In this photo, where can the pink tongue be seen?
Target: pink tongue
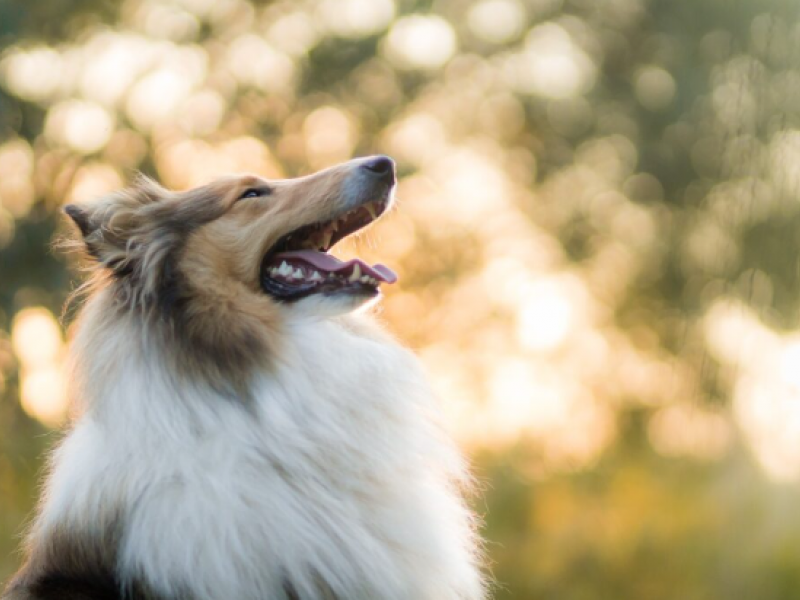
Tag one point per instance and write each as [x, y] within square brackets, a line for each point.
[331, 264]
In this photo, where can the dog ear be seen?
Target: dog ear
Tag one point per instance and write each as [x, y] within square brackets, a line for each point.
[127, 232]
[80, 217]
[103, 243]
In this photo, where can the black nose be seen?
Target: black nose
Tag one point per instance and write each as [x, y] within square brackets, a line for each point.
[381, 166]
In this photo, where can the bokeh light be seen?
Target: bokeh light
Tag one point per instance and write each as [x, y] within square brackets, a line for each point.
[420, 42]
[496, 21]
[37, 342]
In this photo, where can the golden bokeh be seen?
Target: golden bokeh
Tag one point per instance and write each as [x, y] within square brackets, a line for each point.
[37, 341]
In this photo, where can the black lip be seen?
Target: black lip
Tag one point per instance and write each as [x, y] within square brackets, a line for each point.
[291, 293]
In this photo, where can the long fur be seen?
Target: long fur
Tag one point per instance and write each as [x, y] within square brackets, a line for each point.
[307, 465]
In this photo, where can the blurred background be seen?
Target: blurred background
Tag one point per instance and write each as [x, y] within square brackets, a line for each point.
[597, 236]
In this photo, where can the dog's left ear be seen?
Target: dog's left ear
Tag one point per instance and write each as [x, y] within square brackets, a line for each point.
[106, 245]
[80, 217]
[129, 232]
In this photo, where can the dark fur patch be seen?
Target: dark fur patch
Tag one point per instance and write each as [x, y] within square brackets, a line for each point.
[222, 361]
[73, 565]
[79, 216]
[138, 237]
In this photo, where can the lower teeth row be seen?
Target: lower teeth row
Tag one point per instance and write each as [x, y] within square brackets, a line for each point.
[286, 272]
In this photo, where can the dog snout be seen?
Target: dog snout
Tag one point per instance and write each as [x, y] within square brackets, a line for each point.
[381, 168]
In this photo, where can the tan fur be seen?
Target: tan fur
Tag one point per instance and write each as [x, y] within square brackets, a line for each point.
[197, 255]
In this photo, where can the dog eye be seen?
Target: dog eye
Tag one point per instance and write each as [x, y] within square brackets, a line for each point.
[254, 193]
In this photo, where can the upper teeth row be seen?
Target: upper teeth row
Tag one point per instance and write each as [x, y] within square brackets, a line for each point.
[323, 238]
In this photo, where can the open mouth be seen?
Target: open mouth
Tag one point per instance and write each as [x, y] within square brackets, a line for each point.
[299, 265]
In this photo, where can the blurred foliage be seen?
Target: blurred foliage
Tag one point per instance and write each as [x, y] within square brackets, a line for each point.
[597, 236]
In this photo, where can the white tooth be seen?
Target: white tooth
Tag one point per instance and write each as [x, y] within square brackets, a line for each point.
[298, 274]
[326, 238]
[371, 210]
[373, 281]
[284, 269]
[356, 275]
[365, 279]
[315, 276]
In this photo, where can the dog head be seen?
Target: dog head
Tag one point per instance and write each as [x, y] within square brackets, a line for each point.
[242, 240]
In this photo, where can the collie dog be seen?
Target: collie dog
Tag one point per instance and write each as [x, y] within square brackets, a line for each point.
[243, 432]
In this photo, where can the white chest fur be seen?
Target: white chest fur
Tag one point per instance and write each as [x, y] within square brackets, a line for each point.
[334, 477]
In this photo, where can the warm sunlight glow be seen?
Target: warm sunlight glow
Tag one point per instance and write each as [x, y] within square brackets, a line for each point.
[681, 430]
[545, 317]
[464, 186]
[34, 74]
[189, 162]
[420, 42]
[356, 18]
[37, 341]
[202, 112]
[330, 136]
[552, 64]
[43, 395]
[36, 337]
[766, 392]
[16, 184]
[790, 364]
[496, 21]
[171, 73]
[418, 139]
[255, 63]
[527, 399]
[521, 400]
[83, 126]
[294, 33]
[92, 181]
[113, 62]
